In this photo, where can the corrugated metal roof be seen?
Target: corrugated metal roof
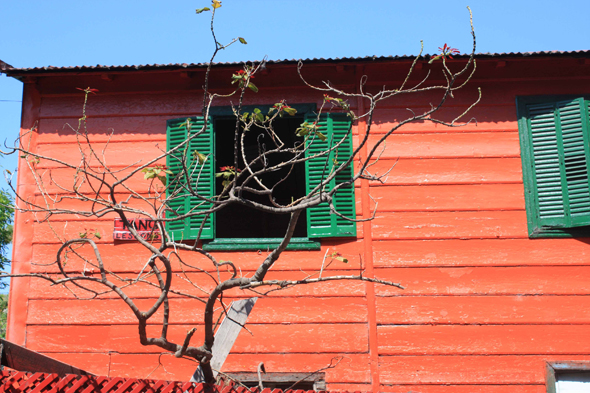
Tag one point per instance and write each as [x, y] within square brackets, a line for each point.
[172, 66]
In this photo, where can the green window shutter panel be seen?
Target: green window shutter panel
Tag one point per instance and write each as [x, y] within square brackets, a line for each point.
[201, 177]
[320, 223]
[559, 144]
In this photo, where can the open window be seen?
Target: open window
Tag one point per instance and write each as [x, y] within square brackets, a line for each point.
[555, 149]
[238, 227]
[291, 183]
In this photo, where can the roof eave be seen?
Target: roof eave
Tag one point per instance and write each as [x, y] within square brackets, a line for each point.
[20, 73]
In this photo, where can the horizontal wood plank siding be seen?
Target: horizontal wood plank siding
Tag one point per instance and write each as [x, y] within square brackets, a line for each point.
[468, 370]
[287, 338]
[484, 308]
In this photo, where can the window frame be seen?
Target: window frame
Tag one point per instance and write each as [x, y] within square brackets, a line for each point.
[535, 230]
[554, 368]
[271, 379]
[241, 244]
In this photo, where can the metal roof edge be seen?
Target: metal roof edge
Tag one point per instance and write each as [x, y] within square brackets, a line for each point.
[15, 72]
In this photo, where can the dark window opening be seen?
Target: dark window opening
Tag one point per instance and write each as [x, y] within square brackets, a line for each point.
[239, 221]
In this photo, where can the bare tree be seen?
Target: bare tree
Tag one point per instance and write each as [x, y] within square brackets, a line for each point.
[96, 190]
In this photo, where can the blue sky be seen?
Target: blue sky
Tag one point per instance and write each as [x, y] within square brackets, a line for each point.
[37, 33]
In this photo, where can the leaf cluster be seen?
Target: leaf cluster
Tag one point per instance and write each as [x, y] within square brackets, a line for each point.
[282, 108]
[6, 219]
[227, 173]
[242, 77]
[307, 128]
[157, 172]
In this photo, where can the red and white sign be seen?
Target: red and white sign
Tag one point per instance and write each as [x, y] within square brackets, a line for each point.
[146, 228]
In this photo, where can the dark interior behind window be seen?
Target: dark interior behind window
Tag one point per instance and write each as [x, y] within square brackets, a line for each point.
[239, 221]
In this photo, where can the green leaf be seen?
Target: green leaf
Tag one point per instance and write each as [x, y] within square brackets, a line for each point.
[342, 259]
[321, 136]
[199, 10]
[219, 174]
[199, 157]
[216, 4]
[97, 235]
[252, 87]
[162, 179]
[290, 111]
[302, 131]
[259, 115]
[242, 40]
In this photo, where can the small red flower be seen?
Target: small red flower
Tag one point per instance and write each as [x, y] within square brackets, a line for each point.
[229, 168]
[447, 51]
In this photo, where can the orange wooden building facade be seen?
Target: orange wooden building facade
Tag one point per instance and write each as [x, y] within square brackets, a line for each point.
[485, 306]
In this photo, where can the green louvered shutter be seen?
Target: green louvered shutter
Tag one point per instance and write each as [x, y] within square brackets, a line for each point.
[560, 150]
[320, 223]
[202, 178]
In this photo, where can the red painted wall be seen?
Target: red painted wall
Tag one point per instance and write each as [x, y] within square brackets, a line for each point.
[484, 308]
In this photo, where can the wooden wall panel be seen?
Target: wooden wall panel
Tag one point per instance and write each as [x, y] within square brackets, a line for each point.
[56, 180]
[105, 104]
[169, 103]
[545, 339]
[450, 225]
[461, 369]
[449, 145]
[411, 171]
[188, 311]
[52, 232]
[115, 154]
[483, 310]
[44, 289]
[475, 252]
[124, 256]
[102, 130]
[449, 197]
[166, 367]
[353, 367]
[95, 363]
[466, 388]
[494, 118]
[287, 338]
[486, 281]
